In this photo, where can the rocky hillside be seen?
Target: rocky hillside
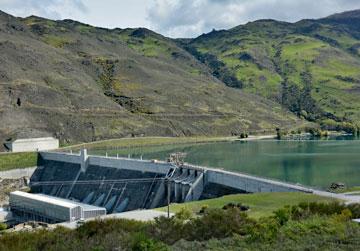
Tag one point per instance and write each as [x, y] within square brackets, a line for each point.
[81, 83]
[312, 67]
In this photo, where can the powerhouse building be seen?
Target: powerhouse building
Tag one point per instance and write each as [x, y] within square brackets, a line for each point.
[45, 208]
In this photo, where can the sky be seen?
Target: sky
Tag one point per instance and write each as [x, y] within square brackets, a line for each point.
[176, 18]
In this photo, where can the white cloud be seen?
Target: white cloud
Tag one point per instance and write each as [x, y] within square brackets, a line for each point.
[188, 18]
[54, 9]
[104, 13]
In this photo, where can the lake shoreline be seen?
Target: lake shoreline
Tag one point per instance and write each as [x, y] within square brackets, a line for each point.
[258, 137]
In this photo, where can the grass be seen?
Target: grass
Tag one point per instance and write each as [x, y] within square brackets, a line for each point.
[145, 141]
[306, 49]
[56, 41]
[85, 28]
[10, 161]
[136, 152]
[261, 204]
[252, 76]
[150, 47]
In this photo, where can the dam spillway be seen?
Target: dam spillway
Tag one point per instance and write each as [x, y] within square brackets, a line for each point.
[124, 184]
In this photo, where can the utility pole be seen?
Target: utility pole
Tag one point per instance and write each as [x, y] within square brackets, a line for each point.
[168, 197]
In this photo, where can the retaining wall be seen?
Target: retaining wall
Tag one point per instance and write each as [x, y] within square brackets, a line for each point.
[17, 173]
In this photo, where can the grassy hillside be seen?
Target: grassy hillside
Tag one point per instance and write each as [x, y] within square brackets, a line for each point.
[311, 67]
[81, 83]
[261, 204]
[144, 142]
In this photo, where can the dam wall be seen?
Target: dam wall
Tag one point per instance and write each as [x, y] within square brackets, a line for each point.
[118, 184]
[124, 184]
[251, 184]
[126, 163]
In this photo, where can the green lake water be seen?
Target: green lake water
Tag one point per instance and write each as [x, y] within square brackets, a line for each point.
[315, 163]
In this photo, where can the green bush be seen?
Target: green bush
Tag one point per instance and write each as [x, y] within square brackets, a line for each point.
[140, 242]
[218, 223]
[168, 230]
[203, 209]
[244, 135]
[282, 216]
[183, 215]
[280, 133]
[307, 226]
[3, 226]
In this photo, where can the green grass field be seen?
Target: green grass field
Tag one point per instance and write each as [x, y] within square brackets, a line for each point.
[10, 161]
[146, 141]
[261, 204]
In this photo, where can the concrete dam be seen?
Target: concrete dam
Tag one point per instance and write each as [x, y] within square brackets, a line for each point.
[124, 184]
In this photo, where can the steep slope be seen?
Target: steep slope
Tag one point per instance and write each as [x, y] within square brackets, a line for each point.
[311, 67]
[82, 83]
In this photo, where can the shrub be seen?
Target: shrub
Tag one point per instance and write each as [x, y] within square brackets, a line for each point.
[3, 226]
[183, 215]
[355, 210]
[203, 209]
[307, 226]
[218, 223]
[305, 210]
[239, 206]
[140, 242]
[266, 229]
[282, 215]
[244, 135]
[280, 133]
[345, 215]
[102, 227]
[167, 230]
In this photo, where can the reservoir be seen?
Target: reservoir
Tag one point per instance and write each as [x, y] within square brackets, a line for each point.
[315, 163]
